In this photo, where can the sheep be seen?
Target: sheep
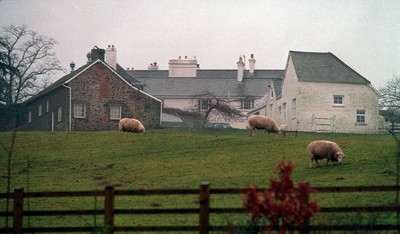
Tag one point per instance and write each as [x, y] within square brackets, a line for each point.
[324, 149]
[130, 125]
[262, 122]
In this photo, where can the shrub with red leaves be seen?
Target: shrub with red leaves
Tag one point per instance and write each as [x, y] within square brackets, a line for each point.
[282, 204]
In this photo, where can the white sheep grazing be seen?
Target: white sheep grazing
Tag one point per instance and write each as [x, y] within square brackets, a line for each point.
[130, 125]
[324, 149]
[262, 122]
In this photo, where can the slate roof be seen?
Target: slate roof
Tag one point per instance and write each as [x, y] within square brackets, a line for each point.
[324, 67]
[58, 83]
[221, 83]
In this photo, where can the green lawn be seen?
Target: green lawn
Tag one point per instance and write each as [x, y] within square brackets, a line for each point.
[182, 158]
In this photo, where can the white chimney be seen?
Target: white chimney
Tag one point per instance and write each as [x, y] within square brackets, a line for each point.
[183, 67]
[252, 63]
[240, 71]
[153, 66]
[111, 56]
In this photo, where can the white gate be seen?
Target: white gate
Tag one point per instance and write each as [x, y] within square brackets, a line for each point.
[323, 124]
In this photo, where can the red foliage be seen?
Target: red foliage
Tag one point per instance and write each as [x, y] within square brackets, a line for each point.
[282, 204]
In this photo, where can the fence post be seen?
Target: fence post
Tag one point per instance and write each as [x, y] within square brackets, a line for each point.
[18, 210]
[303, 229]
[109, 202]
[204, 207]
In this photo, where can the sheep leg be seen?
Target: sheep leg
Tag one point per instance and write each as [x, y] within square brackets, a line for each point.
[251, 131]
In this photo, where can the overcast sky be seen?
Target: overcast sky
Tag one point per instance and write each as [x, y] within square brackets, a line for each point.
[364, 34]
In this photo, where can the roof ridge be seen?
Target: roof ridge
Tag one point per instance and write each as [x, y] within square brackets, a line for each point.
[308, 52]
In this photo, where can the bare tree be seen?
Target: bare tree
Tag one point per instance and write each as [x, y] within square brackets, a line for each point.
[390, 99]
[26, 58]
[208, 102]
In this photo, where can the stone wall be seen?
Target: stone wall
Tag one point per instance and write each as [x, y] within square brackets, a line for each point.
[98, 88]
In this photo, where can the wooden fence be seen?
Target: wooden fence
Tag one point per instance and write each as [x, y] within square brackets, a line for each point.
[204, 210]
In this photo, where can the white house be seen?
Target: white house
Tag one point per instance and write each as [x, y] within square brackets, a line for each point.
[320, 93]
[182, 86]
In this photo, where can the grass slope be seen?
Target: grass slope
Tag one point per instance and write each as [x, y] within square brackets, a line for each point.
[183, 158]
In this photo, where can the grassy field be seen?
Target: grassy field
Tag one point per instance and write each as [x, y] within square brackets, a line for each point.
[182, 158]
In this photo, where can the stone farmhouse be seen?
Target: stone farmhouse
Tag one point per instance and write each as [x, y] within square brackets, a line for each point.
[316, 92]
[182, 87]
[93, 97]
[320, 93]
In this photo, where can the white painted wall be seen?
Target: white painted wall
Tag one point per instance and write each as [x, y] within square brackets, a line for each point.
[314, 104]
[317, 99]
[287, 119]
[189, 104]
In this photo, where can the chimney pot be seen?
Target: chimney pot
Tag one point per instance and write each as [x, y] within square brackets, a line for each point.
[240, 70]
[72, 65]
[252, 63]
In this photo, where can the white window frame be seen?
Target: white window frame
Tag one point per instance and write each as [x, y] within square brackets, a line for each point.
[361, 115]
[205, 104]
[294, 108]
[247, 104]
[271, 106]
[40, 110]
[336, 98]
[59, 114]
[115, 111]
[79, 110]
[284, 112]
[30, 117]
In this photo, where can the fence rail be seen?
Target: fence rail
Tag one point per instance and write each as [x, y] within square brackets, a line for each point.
[204, 210]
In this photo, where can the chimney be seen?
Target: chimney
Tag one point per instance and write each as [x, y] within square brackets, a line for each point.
[153, 66]
[252, 63]
[97, 53]
[183, 67]
[89, 57]
[72, 65]
[111, 56]
[240, 71]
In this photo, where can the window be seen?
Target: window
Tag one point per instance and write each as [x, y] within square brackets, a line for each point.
[79, 110]
[59, 114]
[39, 110]
[115, 112]
[338, 100]
[47, 106]
[29, 116]
[284, 112]
[247, 104]
[360, 117]
[294, 108]
[271, 108]
[205, 104]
